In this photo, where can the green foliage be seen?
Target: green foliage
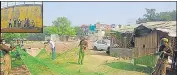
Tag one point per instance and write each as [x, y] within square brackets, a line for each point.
[2, 53]
[118, 35]
[17, 63]
[130, 67]
[51, 30]
[149, 60]
[71, 31]
[10, 36]
[79, 31]
[48, 66]
[151, 15]
[34, 64]
[63, 26]
[36, 36]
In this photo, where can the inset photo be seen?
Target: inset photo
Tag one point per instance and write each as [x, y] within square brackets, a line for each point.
[21, 17]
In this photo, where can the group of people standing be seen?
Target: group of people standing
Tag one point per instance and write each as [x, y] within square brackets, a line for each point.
[6, 52]
[19, 23]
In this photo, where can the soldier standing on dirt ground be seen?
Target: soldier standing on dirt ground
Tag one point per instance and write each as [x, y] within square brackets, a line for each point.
[52, 45]
[19, 23]
[15, 22]
[6, 57]
[83, 46]
[166, 52]
[25, 22]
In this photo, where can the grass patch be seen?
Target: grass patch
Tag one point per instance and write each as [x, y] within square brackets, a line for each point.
[129, 67]
[36, 67]
[149, 60]
[61, 63]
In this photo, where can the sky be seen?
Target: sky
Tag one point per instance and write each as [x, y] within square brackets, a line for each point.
[105, 12]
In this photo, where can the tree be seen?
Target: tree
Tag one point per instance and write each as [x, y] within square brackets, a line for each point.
[141, 20]
[51, 30]
[71, 31]
[151, 15]
[79, 31]
[63, 27]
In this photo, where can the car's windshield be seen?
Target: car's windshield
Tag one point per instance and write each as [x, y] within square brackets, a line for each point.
[107, 41]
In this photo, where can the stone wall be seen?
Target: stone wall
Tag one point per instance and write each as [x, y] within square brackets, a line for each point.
[121, 52]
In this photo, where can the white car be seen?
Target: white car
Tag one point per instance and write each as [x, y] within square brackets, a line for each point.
[102, 45]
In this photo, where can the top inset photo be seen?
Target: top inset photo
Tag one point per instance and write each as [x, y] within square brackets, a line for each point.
[21, 17]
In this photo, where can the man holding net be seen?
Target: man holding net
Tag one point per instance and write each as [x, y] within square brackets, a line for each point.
[83, 46]
[52, 45]
[6, 57]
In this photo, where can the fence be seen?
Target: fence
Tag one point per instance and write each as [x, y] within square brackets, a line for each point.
[122, 40]
[122, 53]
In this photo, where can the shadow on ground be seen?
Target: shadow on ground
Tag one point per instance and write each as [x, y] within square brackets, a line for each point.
[130, 67]
[99, 52]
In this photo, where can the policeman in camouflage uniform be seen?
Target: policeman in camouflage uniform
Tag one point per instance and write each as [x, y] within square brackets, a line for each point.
[6, 64]
[83, 46]
[167, 51]
[162, 63]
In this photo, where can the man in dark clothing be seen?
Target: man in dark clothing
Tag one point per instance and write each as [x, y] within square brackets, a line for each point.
[28, 22]
[15, 22]
[25, 24]
[175, 60]
[19, 23]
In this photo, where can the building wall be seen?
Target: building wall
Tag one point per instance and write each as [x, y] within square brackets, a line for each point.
[124, 53]
[150, 43]
[146, 44]
[100, 34]
[123, 41]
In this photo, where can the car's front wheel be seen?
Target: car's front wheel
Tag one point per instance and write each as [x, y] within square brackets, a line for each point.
[108, 51]
[94, 48]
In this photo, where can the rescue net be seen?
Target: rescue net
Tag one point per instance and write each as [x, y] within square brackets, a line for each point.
[42, 64]
[36, 67]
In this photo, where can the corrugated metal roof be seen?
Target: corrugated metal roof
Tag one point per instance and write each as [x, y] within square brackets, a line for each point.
[165, 26]
[126, 29]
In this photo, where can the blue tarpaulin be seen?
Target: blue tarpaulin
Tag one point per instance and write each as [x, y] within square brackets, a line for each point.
[92, 27]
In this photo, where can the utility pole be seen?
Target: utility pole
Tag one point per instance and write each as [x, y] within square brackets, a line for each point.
[125, 38]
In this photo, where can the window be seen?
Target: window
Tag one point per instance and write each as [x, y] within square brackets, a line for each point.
[143, 46]
[103, 42]
[99, 42]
